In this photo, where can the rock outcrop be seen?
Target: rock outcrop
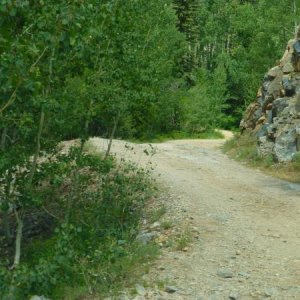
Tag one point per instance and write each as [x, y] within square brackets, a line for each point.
[275, 115]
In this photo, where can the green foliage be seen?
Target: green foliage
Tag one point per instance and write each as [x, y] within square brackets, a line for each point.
[157, 214]
[166, 225]
[93, 246]
[242, 147]
[204, 103]
[179, 135]
[85, 64]
[71, 69]
[244, 38]
[68, 70]
[187, 14]
[296, 161]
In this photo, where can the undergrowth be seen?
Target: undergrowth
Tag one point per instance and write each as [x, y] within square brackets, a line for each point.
[243, 148]
[92, 206]
[179, 135]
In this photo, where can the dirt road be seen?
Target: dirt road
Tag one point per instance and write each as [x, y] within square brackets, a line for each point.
[245, 225]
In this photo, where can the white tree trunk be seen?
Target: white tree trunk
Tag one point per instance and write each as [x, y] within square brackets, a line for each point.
[18, 242]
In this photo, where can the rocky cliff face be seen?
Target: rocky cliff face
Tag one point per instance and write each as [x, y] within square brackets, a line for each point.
[275, 115]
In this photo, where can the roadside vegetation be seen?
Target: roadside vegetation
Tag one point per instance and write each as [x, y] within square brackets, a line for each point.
[139, 70]
[243, 149]
[180, 135]
[71, 70]
[79, 229]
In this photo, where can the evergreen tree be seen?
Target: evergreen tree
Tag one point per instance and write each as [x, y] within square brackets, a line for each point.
[187, 12]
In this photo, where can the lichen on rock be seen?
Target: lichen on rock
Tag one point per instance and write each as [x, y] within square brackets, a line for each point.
[275, 115]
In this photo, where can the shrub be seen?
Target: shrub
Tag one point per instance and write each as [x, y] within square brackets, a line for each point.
[95, 208]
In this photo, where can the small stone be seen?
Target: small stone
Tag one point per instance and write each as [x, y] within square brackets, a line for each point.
[185, 249]
[233, 296]
[244, 274]
[140, 289]
[162, 239]
[237, 252]
[170, 289]
[288, 68]
[225, 273]
[147, 237]
[139, 297]
[276, 236]
[274, 72]
[155, 225]
[214, 297]
[270, 292]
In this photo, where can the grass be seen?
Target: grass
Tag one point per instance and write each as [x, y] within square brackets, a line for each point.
[179, 135]
[243, 148]
[157, 214]
[183, 240]
[167, 225]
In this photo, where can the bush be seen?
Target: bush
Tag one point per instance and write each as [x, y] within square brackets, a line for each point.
[95, 208]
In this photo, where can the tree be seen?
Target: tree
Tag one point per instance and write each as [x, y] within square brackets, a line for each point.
[187, 12]
[247, 38]
[69, 69]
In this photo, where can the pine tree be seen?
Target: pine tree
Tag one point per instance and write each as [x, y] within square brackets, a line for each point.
[187, 12]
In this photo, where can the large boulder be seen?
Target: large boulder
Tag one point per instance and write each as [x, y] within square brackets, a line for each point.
[275, 115]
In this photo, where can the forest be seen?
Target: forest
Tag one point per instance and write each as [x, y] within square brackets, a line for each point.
[117, 69]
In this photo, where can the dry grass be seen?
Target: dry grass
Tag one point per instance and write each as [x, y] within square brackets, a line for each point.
[243, 148]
